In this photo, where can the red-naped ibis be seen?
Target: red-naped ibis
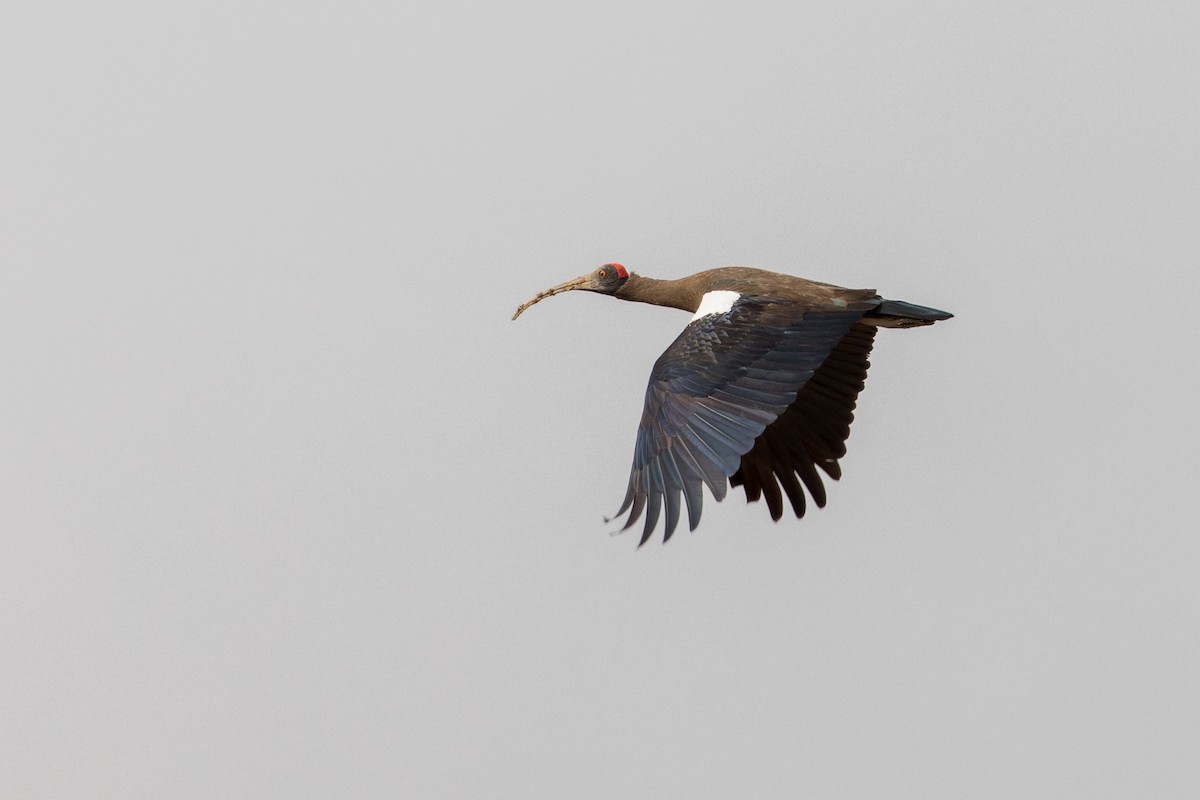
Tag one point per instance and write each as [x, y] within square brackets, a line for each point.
[758, 391]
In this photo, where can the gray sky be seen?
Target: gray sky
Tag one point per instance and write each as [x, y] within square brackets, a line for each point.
[290, 508]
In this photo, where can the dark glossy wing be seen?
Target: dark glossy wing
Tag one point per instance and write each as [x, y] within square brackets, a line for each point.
[713, 392]
[811, 433]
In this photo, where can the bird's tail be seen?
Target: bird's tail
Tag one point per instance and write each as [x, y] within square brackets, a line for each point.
[899, 314]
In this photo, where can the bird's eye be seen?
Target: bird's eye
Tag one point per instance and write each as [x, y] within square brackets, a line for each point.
[603, 273]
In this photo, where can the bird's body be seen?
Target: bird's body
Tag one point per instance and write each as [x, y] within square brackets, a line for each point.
[687, 293]
[758, 391]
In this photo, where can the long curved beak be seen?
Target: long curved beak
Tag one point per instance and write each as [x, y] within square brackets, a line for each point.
[582, 282]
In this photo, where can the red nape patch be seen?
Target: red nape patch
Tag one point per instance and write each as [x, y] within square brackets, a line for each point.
[621, 273]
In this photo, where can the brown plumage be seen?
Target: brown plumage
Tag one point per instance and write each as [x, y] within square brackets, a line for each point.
[758, 391]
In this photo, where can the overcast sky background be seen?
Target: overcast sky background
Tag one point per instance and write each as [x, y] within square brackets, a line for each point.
[290, 508]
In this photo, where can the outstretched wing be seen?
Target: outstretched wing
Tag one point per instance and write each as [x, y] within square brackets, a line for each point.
[713, 392]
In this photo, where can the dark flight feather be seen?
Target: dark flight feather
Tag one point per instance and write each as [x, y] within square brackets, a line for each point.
[812, 432]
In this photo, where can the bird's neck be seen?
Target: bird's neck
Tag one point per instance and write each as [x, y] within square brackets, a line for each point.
[673, 294]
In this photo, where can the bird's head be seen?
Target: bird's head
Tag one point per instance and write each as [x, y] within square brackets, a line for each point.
[606, 280]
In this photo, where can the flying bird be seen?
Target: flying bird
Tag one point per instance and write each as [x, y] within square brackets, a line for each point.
[758, 391]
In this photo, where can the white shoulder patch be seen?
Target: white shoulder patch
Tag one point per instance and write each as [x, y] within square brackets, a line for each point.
[717, 302]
